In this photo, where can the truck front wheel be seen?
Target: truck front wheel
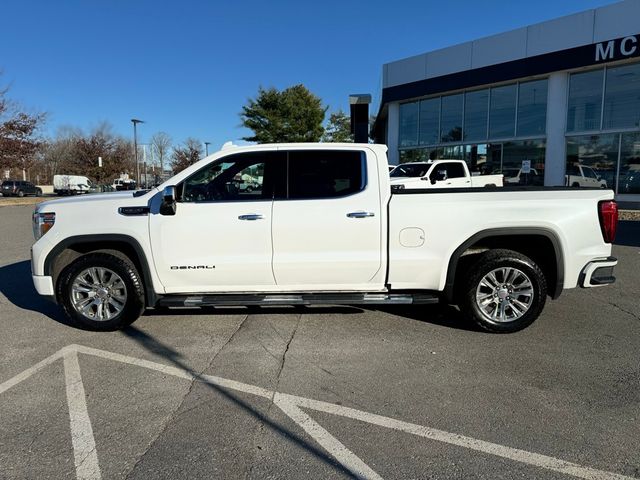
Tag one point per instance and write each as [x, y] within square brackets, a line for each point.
[504, 291]
[100, 291]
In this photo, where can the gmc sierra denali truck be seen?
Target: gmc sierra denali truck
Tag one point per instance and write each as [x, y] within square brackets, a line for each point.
[320, 225]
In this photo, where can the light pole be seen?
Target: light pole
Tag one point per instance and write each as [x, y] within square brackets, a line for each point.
[206, 148]
[135, 122]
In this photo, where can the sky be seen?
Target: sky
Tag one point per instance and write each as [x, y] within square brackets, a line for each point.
[188, 67]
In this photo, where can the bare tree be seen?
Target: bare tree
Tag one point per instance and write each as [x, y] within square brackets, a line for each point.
[188, 154]
[160, 145]
[18, 135]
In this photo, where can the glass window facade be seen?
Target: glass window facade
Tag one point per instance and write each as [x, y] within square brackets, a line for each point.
[467, 116]
[606, 161]
[532, 108]
[476, 111]
[494, 129]
[629, 179]
[601, 101]
[451, 118]
[592, 161]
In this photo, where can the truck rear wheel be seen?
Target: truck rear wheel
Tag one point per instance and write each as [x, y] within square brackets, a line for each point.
[504, 291]
[100, 291]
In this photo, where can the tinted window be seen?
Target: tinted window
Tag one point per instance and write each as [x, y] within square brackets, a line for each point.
[409, 124]
[325, 174]
[502, 117]
[451, 120]
[476, 106]
[246, 176]
[585, 101]
[429, 121]
[454, 170]
[622, 98]
[532, 108]
[410, 170]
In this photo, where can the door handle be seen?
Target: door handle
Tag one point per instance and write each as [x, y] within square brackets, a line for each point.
[251, 216]
[360, 214]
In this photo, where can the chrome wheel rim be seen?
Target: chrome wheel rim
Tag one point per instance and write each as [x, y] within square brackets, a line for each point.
[504, 295]
[98, 294]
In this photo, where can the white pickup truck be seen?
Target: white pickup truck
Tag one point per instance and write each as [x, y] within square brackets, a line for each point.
[440, 174]
[321, 226]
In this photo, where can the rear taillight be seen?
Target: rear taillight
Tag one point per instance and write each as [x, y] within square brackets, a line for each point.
[608, 213]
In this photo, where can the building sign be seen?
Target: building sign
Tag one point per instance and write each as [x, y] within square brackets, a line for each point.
[617, 49]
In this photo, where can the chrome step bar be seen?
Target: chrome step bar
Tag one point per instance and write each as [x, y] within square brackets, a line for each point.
[247, 299]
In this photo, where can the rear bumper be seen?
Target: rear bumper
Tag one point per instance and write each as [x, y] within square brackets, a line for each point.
[598, 273]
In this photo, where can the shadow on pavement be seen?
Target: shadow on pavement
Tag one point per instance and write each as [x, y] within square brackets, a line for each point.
[440, 314]
[628, 233]
[154, 346]
[17, 286]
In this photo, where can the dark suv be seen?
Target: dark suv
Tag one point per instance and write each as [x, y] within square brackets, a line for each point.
[19, 188]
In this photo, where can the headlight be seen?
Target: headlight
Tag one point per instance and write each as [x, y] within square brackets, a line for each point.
[42, 223]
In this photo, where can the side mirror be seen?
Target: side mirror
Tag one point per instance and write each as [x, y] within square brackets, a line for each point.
[168, 205]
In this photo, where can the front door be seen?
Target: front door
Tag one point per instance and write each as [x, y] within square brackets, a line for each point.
[327, 225]
[220, 237]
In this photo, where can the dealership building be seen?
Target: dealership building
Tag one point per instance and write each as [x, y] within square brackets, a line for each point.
[562, 96]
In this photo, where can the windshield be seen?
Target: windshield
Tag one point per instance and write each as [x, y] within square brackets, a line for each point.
[410, 171]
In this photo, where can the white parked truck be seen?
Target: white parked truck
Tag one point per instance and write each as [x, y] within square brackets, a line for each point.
[440, 174]
[321, 226]
[582, 176]
[71, 184]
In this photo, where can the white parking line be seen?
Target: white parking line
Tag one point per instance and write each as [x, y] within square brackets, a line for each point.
[331, 444]
[291, 405]
[29, 371]
[84, 445]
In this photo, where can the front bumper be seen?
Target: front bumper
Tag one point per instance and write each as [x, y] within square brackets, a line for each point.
[43, 284]
[598, 273]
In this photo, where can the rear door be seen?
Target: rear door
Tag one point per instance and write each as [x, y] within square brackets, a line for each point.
[327, 222]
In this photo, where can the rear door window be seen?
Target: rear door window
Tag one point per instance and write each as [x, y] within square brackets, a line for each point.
[454, 169]
[325, 173]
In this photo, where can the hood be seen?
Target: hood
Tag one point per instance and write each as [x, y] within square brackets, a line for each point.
[88, 199]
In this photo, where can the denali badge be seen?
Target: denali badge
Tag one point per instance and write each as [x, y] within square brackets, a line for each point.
[192, 267]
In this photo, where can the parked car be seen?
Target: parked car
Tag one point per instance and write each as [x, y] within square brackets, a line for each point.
[19, 188]
[326, 228]
[579, 175]
[440, 174]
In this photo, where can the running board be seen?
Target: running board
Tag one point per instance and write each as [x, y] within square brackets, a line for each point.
[243, 299]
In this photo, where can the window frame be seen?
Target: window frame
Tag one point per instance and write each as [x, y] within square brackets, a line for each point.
[273, 166]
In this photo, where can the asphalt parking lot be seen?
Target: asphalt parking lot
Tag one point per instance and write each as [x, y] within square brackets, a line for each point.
[411, 392]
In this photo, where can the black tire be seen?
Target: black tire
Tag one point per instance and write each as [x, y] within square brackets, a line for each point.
[135, 301]
[489, 262]
[20, 193]
[575, 185]
[38, 192]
